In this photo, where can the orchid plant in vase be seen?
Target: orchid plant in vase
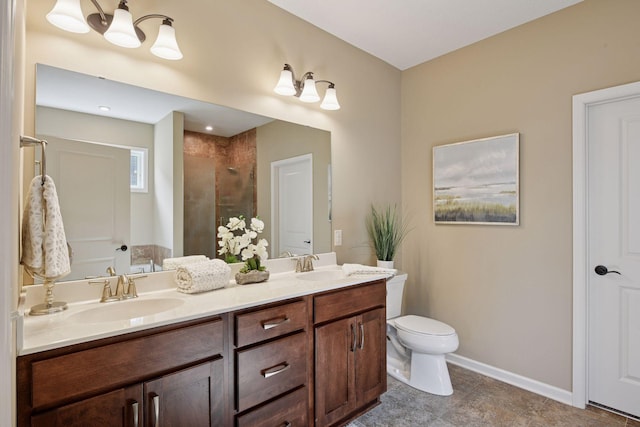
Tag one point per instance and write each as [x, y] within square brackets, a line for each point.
[237, 240]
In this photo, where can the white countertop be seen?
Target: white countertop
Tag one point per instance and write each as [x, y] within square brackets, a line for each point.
[39, 333]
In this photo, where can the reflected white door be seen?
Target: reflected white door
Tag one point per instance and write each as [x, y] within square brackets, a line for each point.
[93, 187]
[614, 244]
[292, 207]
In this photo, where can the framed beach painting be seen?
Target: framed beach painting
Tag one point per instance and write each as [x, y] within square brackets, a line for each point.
[477, 182]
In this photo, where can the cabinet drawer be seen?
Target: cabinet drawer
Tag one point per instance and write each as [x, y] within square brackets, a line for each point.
[349, 301]
[289, 410]
[271, 369]
[113, 365]
[270, 322]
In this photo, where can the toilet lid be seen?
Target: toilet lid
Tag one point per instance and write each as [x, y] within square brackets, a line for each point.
[423, 325]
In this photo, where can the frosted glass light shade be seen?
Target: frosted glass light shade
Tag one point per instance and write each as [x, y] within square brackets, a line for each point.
[285, 84]
[166, 45]
[121, 31]
[67, 15]
[330, 101]
[309, 92]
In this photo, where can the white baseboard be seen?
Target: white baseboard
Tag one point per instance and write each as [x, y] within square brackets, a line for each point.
[546, 390]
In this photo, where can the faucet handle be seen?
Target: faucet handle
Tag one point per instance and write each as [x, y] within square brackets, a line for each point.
[106, 289]
[132, 291]
[308, 262]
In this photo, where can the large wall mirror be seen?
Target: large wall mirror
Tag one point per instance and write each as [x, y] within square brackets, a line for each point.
[159, 173]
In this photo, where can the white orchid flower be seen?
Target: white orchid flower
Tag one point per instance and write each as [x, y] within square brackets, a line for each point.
[257, 225]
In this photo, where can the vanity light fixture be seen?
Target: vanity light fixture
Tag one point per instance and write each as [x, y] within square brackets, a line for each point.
[119, 28]
[305, 88]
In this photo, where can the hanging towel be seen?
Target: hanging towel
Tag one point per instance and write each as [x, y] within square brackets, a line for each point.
[174, 263]
[203, 276]
[351, 269]
[45, 253]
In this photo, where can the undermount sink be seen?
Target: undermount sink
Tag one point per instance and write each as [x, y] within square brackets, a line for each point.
[322, 275]
[128, 309]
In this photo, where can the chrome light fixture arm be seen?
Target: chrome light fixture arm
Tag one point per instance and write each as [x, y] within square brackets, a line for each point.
[296, 88]
[103, 16]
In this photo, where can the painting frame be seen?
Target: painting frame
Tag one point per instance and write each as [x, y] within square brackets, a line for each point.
[477, 181]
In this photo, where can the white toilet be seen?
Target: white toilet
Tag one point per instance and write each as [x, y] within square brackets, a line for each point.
[416, 345]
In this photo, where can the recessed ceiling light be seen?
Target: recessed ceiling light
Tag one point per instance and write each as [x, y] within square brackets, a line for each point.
[104, 108]
[209, 128]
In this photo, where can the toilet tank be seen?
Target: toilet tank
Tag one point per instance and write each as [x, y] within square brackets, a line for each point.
[395, 288]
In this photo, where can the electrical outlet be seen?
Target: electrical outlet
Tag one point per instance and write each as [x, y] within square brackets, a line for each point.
[337, 238]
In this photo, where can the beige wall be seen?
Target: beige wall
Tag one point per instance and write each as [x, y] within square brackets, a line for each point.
[508, 290]
[234, 52]
[280, 140]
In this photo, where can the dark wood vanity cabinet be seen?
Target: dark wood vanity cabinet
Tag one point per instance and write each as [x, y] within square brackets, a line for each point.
[350, 352]
[174, 375]
[317, 360]
[272, 357]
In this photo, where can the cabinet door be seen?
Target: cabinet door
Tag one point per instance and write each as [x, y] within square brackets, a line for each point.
[371, 356]
[122, 407]
[335, 391]
[191, 397]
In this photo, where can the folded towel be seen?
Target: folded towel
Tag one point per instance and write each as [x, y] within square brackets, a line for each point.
[45, 253]
[203, 276]
[351, 269]
[174, 263]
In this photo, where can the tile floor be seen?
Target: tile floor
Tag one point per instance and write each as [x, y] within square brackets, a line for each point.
[479, 401]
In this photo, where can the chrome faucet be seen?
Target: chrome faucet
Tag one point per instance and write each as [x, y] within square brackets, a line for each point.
[305, 263]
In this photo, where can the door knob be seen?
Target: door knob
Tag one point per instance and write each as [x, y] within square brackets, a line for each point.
[601, 270]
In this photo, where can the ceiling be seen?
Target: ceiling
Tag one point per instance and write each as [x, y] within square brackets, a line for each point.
[405, 33]
[68, 90]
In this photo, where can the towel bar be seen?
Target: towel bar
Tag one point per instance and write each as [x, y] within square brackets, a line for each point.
[29, 141]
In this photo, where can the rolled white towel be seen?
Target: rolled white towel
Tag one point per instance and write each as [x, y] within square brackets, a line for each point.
[202, 276]
[351, 269]
[174, 263]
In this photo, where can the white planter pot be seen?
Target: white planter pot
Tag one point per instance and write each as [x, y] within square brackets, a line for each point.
[385, 264]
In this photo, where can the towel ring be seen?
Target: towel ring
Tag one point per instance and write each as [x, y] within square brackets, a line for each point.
[29, 141]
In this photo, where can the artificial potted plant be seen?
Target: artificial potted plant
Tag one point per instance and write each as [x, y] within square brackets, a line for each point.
[238, 240]
[386, 230]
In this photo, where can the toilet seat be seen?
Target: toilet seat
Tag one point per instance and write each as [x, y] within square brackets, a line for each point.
[423, 325]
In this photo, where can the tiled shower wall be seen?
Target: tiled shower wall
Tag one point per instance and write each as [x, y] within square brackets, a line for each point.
[219, 182]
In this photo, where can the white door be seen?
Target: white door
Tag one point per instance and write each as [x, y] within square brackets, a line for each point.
[614, 254]
[93, 187]
[292, 189]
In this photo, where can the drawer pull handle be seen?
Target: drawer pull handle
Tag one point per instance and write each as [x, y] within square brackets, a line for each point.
[272, 323]
[155, 406]
[361, 336]
[274, 370]
[134, 413]
[286, 424]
